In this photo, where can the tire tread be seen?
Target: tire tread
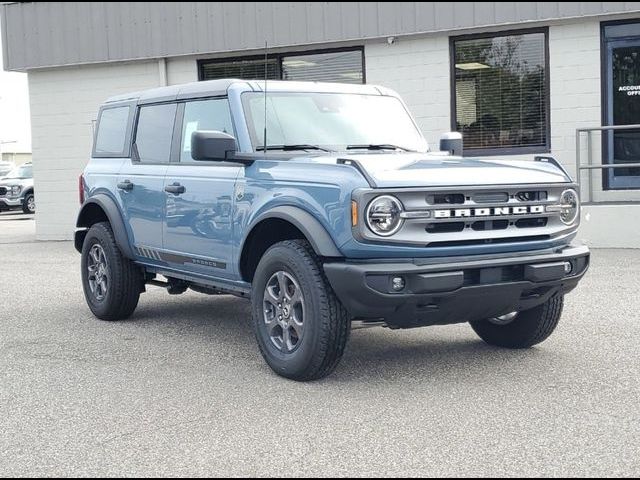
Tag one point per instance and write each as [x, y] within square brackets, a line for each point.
[126, 277]
[334, 317]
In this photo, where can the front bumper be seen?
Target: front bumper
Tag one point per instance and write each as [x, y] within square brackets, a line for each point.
[455, 290]
[10, 202]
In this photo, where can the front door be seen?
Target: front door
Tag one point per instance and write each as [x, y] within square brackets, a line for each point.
[198, 231]
[622, 104]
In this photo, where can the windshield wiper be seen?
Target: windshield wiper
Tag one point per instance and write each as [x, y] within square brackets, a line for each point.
[286, 148]
[379, 146]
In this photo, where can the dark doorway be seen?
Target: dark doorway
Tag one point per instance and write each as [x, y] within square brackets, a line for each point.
[621, 82]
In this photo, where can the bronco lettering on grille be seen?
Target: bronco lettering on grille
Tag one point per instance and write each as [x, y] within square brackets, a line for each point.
[488, 212]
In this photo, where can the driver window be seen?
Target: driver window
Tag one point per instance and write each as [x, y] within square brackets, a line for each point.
[204, 115]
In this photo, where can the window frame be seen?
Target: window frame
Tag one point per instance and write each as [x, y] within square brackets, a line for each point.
[280, 57]
[489, 152]
[176, 149]
[128, 137]
[135, 157]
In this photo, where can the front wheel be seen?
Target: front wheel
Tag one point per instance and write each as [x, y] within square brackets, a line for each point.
[301, 327]
[524, 330]
[111, 282]
[29, 204]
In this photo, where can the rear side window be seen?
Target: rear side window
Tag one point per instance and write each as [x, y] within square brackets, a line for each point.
[204, 115]
[112, 132]
[155, 132]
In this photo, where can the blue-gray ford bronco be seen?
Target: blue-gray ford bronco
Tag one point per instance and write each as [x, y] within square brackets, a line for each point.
[324, 205]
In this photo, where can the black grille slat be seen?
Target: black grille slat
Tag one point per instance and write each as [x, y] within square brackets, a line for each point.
[482, 226]
[537, 222]
[492, 197]
[448, 227]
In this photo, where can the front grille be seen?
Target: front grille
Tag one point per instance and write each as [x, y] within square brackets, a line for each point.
[480, 215]
[3, 191]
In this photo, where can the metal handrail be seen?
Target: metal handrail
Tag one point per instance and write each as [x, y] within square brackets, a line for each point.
[590, 165]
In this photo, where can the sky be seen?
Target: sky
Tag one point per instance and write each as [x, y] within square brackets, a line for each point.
[15, 123]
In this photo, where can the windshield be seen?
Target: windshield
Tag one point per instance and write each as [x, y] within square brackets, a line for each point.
[330, 121]
[21, 172]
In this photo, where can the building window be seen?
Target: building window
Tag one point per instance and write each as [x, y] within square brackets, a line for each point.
[501, 99]
[343, 66]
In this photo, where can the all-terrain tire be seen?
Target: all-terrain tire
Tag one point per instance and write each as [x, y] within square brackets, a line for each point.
[529, 328]
[124, 279]
[327, 324]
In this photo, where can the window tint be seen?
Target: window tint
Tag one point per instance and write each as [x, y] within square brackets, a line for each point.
[501, 92]
[112, 131]
[154, 133]
[204, 115]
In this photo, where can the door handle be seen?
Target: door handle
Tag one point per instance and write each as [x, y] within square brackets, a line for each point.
[125, 185]
[176, 189]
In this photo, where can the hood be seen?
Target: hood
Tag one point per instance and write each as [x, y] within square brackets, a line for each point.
[15, 181]
[428, 170]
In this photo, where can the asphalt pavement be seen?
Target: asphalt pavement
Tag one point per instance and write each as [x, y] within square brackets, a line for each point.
[181, 389]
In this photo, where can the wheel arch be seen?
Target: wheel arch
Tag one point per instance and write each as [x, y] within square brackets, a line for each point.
[101, 208]
[279, 224]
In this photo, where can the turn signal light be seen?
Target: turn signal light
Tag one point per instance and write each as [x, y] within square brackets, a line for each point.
[354, 213]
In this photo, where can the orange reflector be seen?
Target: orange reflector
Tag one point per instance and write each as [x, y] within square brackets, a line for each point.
[354, 213]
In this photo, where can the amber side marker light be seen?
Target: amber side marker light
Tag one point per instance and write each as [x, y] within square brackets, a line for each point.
[354, 213]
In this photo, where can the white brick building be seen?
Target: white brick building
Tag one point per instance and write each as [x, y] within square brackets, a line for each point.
[565, 65]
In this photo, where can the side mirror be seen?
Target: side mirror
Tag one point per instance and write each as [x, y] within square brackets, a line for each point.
[212, 145]
[452, 142]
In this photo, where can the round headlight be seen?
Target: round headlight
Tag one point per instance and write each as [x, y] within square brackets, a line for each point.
[569, 207]
[383, 215]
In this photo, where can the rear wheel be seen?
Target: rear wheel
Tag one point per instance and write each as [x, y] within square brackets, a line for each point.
[301, 327]
[29, 203]
[524, 330]
[111, 282]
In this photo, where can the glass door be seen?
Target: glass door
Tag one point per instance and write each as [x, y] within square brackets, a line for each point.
[622, 105]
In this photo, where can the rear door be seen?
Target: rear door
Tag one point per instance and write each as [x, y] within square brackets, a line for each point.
[141, 179]
[198, 231]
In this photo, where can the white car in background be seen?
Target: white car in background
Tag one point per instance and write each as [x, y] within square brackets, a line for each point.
[16, 189]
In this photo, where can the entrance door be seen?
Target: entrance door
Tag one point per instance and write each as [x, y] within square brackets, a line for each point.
[622, 104]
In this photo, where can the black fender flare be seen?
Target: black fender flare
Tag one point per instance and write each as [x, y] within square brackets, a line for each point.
[311, 228]
[112, 212]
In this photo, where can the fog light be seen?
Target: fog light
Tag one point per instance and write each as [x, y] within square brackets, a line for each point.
[568, 267]
[397, 283]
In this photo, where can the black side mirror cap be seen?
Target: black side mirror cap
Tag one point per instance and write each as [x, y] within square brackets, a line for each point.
[212, 145]
[452, 142]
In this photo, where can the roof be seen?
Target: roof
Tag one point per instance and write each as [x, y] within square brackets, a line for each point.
[54, 34]
[213, 88]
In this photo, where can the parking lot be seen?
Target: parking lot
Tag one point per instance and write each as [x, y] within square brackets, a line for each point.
[181, 389]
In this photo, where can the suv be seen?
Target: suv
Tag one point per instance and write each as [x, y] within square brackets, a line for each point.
[16, 190]
[322, 204]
